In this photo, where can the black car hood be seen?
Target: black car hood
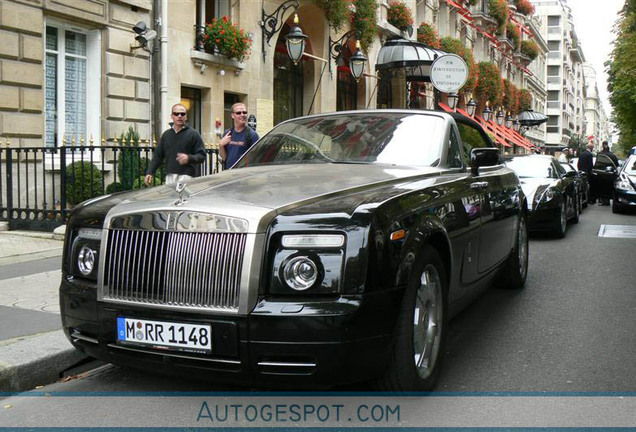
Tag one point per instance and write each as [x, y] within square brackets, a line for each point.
[265, 189]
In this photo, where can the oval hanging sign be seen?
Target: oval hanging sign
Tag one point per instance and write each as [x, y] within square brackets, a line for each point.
[449, 73]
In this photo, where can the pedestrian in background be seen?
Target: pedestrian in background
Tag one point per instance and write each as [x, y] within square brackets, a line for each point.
[585, 164]
[239, 138]
[606, 151]
[181, 147]
[565, 155]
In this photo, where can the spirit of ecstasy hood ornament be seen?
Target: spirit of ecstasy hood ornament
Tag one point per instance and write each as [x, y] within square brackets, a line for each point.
[180, 188]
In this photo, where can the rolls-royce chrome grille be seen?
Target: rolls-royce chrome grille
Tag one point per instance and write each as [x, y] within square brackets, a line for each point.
[174, 269]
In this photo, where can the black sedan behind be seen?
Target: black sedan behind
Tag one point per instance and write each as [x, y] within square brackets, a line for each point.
[551, 192]
[625, 186]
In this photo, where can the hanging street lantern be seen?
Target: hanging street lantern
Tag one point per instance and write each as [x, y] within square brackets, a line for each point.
[500, 118]
[295, 42]
[471, 106]
[487, 113]
[357, 63]
[453, 98]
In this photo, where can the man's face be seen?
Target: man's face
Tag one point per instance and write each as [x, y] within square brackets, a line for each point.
[239, 114]
[179, 115]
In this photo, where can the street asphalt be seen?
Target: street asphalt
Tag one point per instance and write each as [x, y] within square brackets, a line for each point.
[33, 348]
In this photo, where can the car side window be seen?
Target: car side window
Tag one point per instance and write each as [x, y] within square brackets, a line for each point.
[559, 170]
[454, 154]
[471, 138]
[602, 162]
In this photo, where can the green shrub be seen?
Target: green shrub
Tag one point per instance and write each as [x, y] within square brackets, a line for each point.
[130, 163]
[114, 187]
[139, 182]
[83, 181]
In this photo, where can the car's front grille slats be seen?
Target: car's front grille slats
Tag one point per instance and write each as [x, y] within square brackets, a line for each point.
[174, 269]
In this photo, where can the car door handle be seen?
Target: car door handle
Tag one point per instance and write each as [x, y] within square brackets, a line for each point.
[479, 185]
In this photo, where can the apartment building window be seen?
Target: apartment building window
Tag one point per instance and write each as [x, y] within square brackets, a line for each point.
[191, 99]
[347, 87]
[554, 45]
[554, 20]
[210, 9]
[72, 84]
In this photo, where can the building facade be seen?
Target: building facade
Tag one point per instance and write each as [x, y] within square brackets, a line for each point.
[565, 79]
[596, 123]
[88, 70]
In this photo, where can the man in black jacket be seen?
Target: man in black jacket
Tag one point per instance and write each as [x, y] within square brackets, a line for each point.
[586, 163]
[181, 147]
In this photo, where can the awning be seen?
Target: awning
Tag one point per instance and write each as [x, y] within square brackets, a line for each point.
[531, 118]
[416, 58]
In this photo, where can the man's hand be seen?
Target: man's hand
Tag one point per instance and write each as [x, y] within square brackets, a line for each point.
[183, 158]
[226, 139]
[148, 179]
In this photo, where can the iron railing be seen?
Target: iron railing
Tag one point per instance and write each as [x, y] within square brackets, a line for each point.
[40, 185]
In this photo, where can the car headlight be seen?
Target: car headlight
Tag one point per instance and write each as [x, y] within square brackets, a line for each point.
[85, 253]
[308, 263]
[547, 195]
[623, 183]
[300, 273]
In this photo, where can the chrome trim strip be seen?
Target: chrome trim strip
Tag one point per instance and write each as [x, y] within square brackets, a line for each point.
[286, 364]
[171, 354]
[78, 336]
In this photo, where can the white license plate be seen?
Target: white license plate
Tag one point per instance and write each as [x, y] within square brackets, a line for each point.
[167, 335]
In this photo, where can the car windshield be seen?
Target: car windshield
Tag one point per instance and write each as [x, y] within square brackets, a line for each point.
[629, 167]
[384, 138]
[531, 167]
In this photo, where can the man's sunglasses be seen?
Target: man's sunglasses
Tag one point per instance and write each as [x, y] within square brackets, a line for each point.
[179, 114]
[240, 112]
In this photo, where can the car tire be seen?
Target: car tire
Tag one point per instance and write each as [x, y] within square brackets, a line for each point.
[515, 272]
[421, 331]
[577, 211]
[616, 207]
[562, 222]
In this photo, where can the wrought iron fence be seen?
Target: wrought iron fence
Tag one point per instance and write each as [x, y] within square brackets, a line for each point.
[39, 186]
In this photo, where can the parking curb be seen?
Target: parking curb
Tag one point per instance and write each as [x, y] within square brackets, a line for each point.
[30, 361]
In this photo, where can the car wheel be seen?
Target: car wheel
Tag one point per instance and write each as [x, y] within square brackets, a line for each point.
[421, 330]
[577, 211]
[513, 275]
[562, 223]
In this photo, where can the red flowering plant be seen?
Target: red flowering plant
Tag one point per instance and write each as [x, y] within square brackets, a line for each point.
[427, 34]
[510, 97]
[220, 34]
[525, 100]
[524, 7]
[514, 34]
[456, 46]
[498, 9]
[399, 15]
[364, 21]
[489, 85]
[530, 49]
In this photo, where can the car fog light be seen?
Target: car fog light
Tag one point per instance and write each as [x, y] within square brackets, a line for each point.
[300, 273]
[86, 260]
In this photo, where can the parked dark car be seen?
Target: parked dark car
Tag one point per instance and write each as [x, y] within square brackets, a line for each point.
[604, 174]
[582, 185]
[625, 186]
[335, 251]
[551, 192]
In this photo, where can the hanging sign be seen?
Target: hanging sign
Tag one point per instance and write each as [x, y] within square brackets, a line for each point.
[449, 73]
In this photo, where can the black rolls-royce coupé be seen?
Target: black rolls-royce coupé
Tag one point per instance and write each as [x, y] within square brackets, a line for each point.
[335, 251]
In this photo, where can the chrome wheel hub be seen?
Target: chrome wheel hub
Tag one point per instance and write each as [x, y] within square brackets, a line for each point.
[427, 322]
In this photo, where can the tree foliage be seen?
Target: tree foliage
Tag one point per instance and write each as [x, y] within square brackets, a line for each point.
[621, 69]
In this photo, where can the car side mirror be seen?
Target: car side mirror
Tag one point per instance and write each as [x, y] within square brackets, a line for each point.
[483, 157]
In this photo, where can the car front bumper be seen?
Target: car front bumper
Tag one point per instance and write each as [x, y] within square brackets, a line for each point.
[314, 344]
[624, 197]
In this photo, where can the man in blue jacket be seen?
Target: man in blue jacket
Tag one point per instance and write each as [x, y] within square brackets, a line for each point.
[238, 139]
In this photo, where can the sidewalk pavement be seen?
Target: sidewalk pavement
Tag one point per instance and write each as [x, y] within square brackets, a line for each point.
[33, 348]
